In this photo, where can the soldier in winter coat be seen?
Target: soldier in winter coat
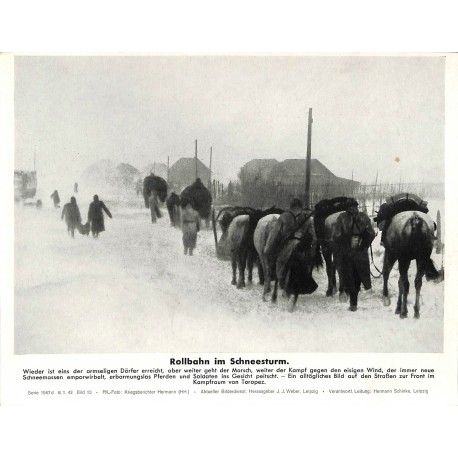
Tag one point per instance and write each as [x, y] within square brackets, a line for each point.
[95, 216]
[55, 198]
[153, 203]
[190, 225]
[72, 216]
[353, 235]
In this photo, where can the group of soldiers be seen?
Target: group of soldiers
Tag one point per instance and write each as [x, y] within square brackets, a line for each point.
[341, 230]
[185, 211]
[352, 231]
[95, 219]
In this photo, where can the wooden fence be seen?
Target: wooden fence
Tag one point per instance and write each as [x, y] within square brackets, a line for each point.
[262, 194]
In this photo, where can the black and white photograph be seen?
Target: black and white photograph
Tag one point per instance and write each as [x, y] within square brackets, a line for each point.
[229, 203]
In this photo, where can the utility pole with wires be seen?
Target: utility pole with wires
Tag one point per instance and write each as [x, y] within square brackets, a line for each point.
[196, 158]
[210, 179]
[374, 193]
[308, 161]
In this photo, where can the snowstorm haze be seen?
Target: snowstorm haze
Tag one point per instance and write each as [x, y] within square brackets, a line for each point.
[370, 114]
[132, 290]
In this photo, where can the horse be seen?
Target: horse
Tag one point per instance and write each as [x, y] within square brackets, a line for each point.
[224, 218]
[173, 207]
[157, 184]
[200, 198]
[409, 237]
[236, 243]
[332, 258]
[290, 249]
[261, 234]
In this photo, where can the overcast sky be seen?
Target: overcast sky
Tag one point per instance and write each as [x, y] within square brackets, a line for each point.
[370, 114]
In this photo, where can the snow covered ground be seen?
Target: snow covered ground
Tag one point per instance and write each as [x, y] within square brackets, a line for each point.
[133, 290]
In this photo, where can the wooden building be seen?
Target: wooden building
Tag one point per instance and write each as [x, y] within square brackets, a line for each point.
[183, 173]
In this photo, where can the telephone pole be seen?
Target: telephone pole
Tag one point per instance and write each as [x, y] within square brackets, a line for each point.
[210, 179]
[168, 167]
[196, 159]
[308, 161]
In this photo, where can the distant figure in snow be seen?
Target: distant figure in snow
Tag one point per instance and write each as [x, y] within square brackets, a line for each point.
[153, 203]
[95, 216]
[190, 225]
[173, 207]
[72, 216]
[56, 199]
[75, 188]
[139, 186]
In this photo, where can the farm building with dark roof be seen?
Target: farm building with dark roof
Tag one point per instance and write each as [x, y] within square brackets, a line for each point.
[183, 173]
[281, 180]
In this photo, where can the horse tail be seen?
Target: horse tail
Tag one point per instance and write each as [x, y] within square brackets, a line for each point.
[420, 228]
[431, 272]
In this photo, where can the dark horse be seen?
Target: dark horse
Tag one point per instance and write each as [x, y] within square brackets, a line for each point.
[200, 198]
[410, 236]
[154, 183]
[238, 225]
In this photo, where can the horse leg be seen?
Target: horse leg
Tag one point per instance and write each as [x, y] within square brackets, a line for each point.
[234, 270]
[266, 288]
[330, 271]
[274, 294]
[261, 275]
[241, 261]
[388, 263]
[266, 272]
[250, 262]
[403, 287]
[261, 271]
[292, 303]
[418, 283]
